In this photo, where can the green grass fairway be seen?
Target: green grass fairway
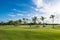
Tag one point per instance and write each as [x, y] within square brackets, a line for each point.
[17, 33]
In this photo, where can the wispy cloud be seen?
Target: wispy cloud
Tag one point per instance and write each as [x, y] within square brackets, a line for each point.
[16, 13]
[11, 15]
[15, 10]
[19, 14]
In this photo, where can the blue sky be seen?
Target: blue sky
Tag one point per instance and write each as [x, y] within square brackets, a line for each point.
[9, 8]
[17, 9]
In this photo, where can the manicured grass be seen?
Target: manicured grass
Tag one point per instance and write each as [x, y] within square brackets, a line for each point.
[22, 33]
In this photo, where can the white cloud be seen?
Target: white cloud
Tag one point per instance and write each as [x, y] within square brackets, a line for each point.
[11, 15]
[19, 14]
[48, 7]
[16, 10]
[38, 3]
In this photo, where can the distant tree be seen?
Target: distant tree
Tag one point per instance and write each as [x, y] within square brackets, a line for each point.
[52, 17]
[16, 23]
[43, 18]
[34, 19]
[11, 22]
[1, 23]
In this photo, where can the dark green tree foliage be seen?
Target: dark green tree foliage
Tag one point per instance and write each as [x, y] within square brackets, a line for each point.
[2, 23]
[11, 22]
[17, 22]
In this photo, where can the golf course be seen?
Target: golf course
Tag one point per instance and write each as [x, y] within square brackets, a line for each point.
[24, 32]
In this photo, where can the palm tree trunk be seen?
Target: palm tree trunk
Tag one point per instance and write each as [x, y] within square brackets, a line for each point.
[53, 22]
[43, 24]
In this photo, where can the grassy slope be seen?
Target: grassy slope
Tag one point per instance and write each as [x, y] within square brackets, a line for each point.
[14, 33]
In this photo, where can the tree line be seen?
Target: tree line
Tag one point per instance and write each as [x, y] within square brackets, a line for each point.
[24, 21]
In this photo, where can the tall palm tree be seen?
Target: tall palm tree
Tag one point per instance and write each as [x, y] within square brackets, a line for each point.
[52, 17]
[42, 18]
[34, 19]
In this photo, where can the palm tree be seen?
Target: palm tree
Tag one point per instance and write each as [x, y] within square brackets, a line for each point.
[34, 19]
[25, 20]
[20, 21]
[52, 17]
[42, 18]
